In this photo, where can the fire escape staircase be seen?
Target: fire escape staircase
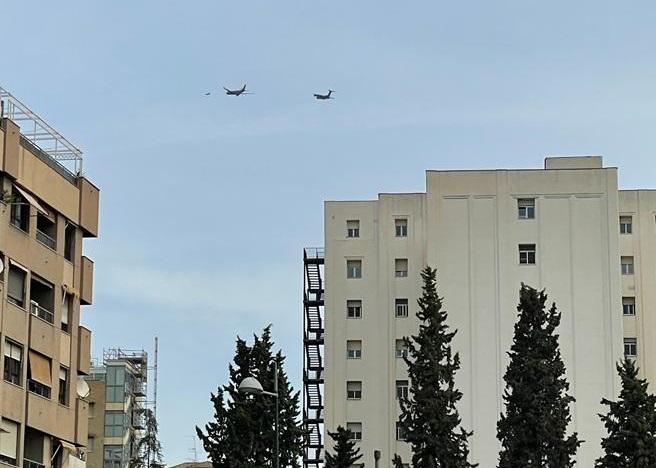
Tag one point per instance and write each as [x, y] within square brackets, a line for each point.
[313, 364]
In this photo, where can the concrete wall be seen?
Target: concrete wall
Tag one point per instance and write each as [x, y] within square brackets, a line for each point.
[467, 226]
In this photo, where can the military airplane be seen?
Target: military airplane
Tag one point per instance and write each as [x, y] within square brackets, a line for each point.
[323, 97]
[236, 92]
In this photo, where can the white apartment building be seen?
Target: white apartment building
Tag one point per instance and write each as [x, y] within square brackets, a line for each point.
[566, 228]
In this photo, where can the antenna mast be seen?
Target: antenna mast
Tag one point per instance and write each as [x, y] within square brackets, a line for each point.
[155, 380]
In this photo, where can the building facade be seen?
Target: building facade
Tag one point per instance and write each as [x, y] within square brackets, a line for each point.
[46, 212]
[566, 228]
[117, 401]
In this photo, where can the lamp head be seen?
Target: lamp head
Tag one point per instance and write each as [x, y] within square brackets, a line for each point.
[250, 385]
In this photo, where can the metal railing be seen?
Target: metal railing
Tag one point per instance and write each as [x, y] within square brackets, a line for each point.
[314, 252]
[42, 313]
[46, 240]
[32, 464]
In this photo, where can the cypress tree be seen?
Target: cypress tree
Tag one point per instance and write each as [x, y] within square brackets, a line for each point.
[429, 415]
[630, 423]
[345, 451]
[397, 461]
[532, 432]
[242, 432]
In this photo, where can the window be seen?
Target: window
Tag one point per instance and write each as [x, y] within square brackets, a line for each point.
[114, 423]
[39, 374]
[401, 308]
[527, 254]
[401, 267]
[9, 431]
[628, 306]
[353, 228]
[627, 265]
[354, 309]
[115, 384]
[354, 349]
[16, 290]
[354, 269]
[630, 347]
[42, 299]
[401, 349]
[63, 386]
[69, 242]
[67, 304]
[402, 389]
[354, 390]
[20, 212]
[46, 229]
[13, 363]
[33, 454]
[2, 268]
[626, 225]
[400, 431]
[355, 428]
[112, 456]
[91, 441]
[401, 227]
[526, 208]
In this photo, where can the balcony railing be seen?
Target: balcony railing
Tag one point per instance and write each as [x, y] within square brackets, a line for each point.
[42, 313]
[32, 464]
[46, 240]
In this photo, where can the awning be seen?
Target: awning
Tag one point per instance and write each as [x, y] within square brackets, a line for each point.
[32, 201]
[41, 281]
[40, 369]
[18, 265]
[68, 446]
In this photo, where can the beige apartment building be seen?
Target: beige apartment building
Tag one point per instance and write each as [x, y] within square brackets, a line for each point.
[46, 212]
[566, 228]
[117, 401]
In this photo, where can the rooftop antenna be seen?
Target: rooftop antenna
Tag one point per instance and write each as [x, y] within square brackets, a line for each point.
[193, 450]
[155, 380]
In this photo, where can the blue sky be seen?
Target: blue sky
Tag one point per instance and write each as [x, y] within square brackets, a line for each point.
[207, 202]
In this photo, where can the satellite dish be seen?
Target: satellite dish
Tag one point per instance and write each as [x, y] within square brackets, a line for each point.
[2, 265]
[82, 388]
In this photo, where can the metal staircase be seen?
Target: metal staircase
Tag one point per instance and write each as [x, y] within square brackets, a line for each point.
[313, 366]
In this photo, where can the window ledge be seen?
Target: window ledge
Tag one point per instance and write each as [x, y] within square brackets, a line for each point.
[13, 385]
[15, 305]
[27, 233]
[44, 321]
[46, 246]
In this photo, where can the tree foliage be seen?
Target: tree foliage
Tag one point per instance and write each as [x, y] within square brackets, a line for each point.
[533, 429]
[242, 432]
[149, 448]
[346, 454]
[429, 415]
[630, 423]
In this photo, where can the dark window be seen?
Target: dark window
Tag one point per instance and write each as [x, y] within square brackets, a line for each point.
[401, 227]
[354, 349]
[626, 225]
[401, 308]
[42, 298]
[112, 456]
[526, 208]
[115, 384]
[400, 431]
[354, 309]
[628, 306]
[39, 374]
[630, 347]
[69, 242]
[401, 267]
[401, 349]
[16, 290]
[115, 423]
[63, 386]
[627, 265]
[402, 389]
[9, 431]
[527, 254]
[46, 230]
[353, 228]
[355, 429]
[354, 269]
[354, 390]
[67, 307]
[13, 362]
[20, 212]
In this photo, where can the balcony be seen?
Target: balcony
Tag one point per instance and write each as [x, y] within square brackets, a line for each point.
[46, 240]
[42, 312]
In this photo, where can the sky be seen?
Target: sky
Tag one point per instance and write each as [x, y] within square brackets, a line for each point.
[207, 202]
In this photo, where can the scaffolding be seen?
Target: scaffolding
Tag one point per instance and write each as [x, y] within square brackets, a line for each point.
[38, 136]
[313, 364]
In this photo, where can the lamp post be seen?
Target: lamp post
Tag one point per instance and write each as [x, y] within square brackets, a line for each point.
[253, 386]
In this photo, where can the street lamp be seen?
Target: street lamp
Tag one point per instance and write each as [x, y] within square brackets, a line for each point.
[250, 385]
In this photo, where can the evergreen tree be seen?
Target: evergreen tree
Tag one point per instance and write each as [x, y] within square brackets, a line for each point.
[346, 453]
[242, 433]
[630, 423]
[429, 416]
[149, 448]
[533, 430]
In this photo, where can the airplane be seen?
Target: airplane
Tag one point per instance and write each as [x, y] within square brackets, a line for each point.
[236, 92]
[323, 97]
